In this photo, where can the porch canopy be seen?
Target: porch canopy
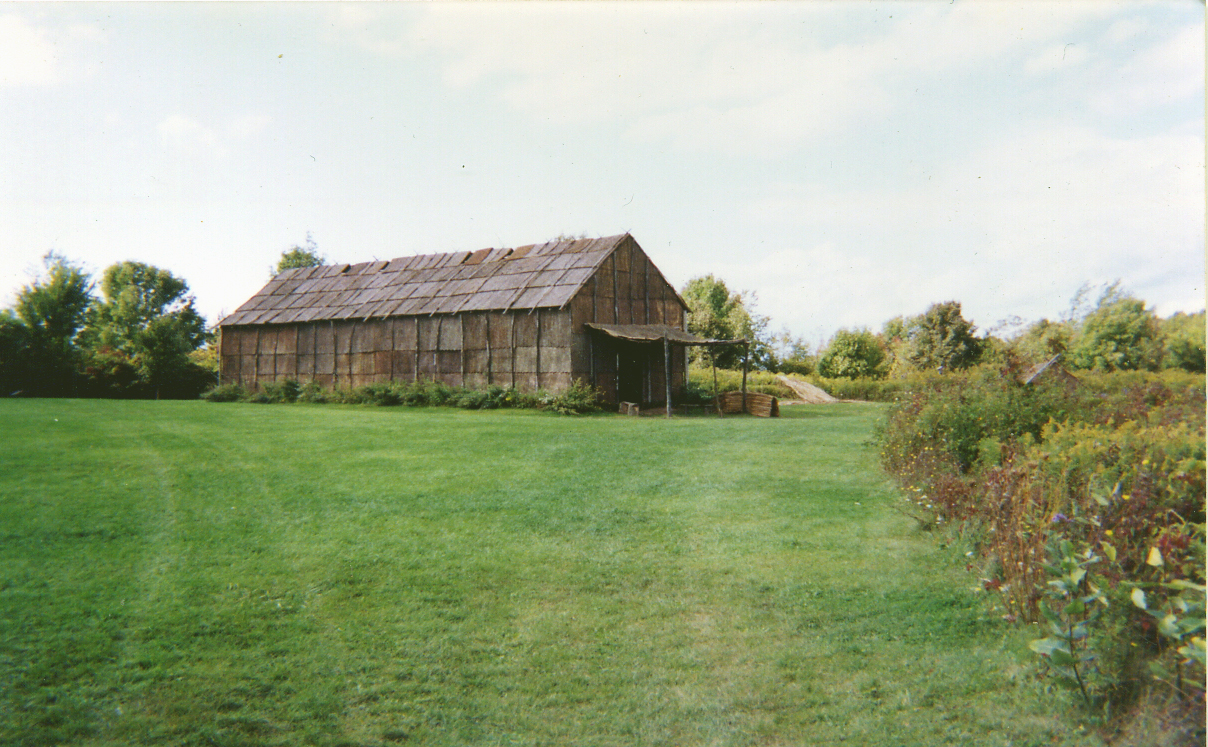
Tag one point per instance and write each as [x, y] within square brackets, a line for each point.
[652, 333]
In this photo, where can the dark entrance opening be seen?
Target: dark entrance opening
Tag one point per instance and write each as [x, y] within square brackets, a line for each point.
[631, 372]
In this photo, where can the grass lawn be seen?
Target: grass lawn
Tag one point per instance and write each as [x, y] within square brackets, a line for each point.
[186, 573]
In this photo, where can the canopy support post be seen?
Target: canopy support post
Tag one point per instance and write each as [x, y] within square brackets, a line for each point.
[713, 363]
[746, 363]
[667, 370]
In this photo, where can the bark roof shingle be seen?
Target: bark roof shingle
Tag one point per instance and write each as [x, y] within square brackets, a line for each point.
[528, 277]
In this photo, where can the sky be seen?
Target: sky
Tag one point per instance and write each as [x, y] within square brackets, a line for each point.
[844, 162]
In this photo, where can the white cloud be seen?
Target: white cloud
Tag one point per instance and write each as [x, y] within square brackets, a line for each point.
[1170, 70]
[32, 55]
[180, 131]
[745, 80]
[28, 56]
[1011, 229]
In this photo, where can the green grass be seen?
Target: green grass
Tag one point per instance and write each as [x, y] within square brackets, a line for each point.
[184, 573]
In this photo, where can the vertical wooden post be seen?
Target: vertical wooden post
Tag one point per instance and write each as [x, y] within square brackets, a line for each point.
[256, 363]
[538, 365]
[713, 362]
[436, 350]
[646, 291]
[512, 338]
[667, 370]
[352, 333]
[616, 302]
[490, 380]
[393, 331]
[746, 360]
[415, 364]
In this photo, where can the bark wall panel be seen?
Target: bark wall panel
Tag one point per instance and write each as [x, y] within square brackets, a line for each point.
[450, 333]
[555, 360]
[476, 362]
[404, 334]
[501, 330]
[287, 341]
[474, 332]
[324, 365]
[556, 382]
[526, 359]
[404, 364]
[325, 342]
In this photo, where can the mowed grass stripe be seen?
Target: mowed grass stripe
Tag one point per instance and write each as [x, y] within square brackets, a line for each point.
[186, 573]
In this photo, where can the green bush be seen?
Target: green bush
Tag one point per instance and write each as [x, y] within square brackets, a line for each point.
[1114, 468]
[286, 390]
[700, 383]
[225, 393]
[579, 398]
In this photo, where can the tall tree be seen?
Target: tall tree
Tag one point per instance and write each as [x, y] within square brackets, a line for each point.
[300, 256]
[16, 366]
[1184, 338]
[147, 315]
[52, 308]
[853, 354]
[716, 313]
[941, 339]
[1121, 334]
[1044, 339]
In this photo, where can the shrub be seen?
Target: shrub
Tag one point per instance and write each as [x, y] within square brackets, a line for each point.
[577, 399]
[1113, 470]
[225, 393]
[286, 390]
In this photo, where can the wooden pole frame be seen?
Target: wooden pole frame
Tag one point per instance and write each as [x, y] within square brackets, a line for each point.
[746, 361]
[667, 370]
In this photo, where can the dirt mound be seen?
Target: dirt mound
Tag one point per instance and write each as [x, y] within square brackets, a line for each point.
[806, 392]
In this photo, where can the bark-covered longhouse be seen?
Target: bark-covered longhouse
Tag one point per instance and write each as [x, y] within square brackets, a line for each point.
[533, 317]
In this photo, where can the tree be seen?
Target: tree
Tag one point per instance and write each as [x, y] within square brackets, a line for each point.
[298, 256]
[147, 316]
[1184, 338]
[717, 314]
[792, 355]
[1119, 335]
[853, 354]
[52, 310]
[16, 366]
[941, 339]
[1044, 339]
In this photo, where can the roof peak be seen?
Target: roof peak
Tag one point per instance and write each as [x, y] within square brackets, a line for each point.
[449, 259]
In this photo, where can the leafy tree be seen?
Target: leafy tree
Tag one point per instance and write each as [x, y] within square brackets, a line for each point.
[52, 309]
[16, 368]
[717, 314]
[853, 354]
[147, 316]
[1119, 335]
[299, 256]
[792, 355]
[1044, 339]
[1184, 337]
[942, 339]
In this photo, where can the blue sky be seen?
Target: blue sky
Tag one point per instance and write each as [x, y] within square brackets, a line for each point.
[847, 162]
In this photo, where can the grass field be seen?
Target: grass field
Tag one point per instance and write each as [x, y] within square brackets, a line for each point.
[185, 573]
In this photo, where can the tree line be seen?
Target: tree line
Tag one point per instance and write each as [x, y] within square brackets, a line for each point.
[1116, 333]
[139, 337]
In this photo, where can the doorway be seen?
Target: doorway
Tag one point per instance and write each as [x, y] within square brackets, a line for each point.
[631, 372]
